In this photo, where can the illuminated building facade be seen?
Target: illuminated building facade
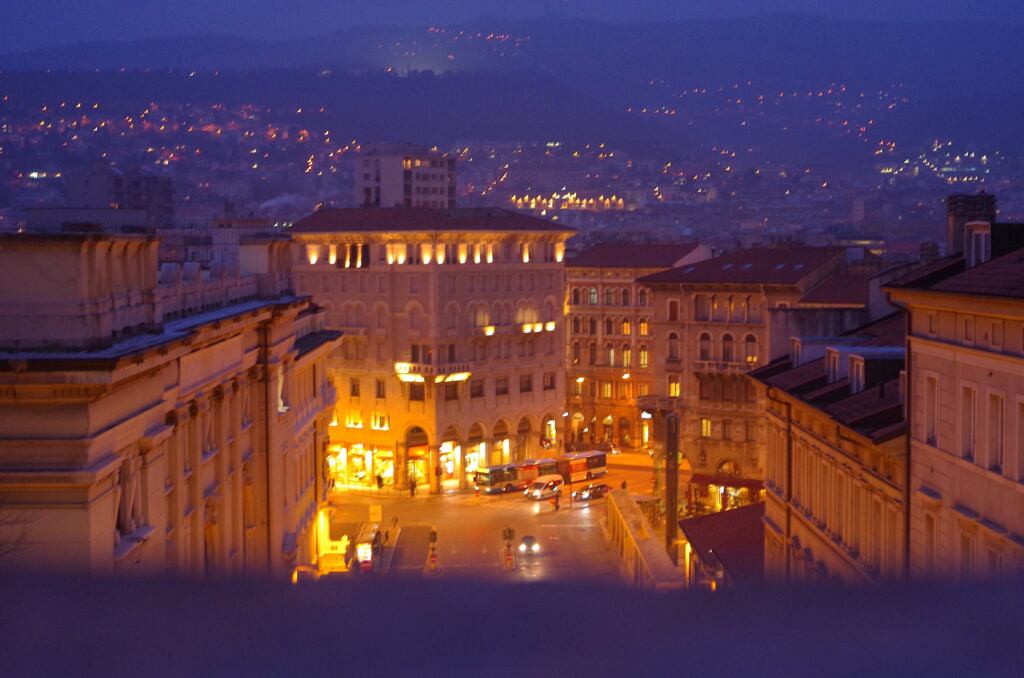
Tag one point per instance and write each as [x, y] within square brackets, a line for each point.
[402, 175]
[454, 349]
[158, 421]
[611, 339]
[836, 456]
[714, 321]
[966, 407]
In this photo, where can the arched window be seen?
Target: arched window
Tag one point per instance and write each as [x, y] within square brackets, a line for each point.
[575, 324]
[728, 354]
[642, 298]
[644, 356]
[673, 310]
[609, 297]
[645, 328]
[627, 327]
[627, 356]
[673, 346]
[701, 307]
[609, 326]
[750, 349]
[577, 353]
[705, 346]
[575, 296]
[592, 296]
[593, 353]
[609, 354]
[593, 326]
[625, 298]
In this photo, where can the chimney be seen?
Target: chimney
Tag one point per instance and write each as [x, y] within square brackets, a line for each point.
[961, 209]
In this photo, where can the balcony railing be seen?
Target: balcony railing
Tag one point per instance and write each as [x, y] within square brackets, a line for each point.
[432, 370]
[654, 403]
[723, 366]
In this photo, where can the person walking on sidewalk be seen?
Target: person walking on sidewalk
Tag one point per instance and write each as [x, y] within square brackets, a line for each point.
[412, 487]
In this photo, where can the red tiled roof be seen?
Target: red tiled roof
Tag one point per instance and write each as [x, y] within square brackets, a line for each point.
[357, 219]
[759, 265]
[613, 255]
[735, 537]
[1002, 277]
[845, 289]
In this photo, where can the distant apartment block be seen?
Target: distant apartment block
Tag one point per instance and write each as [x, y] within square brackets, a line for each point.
[403, 175]
[117, 189]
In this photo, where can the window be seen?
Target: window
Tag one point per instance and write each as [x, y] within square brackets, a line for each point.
[609, 355]
[593, 354]
[931, 406]
[609, 297]
[705, 346]
[577, 353]
[417, 392]
[353, 388]
[609, 326]
[933, 324]
[701, 307]
[856, 375]
[645, 329]
[966, 555]
[969, 329]
[644, 357]
[726, 429]
[451, 391]
[549, 381]
[832, 366]
[968, 416]
[751, 431]
[674, 390]
[606, 389]
[476, 388]
[526, 383]
[673, 347]
[501, 386]
[627, 356]
[625, 298]
[577, 388]
[705, 427]
[750, 349]
[381, 389]
[627, 327]
[728, 354]
[996, 425]
[997, 333]
[592, 296]
[576, 296]
[576, 325]
[673, 310]
[592, 326]
[642, 298]
[643, 389]
[380, 421]
[353, 419]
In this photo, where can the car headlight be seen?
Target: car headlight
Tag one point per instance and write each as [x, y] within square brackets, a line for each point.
[536, 547]
[522, 547]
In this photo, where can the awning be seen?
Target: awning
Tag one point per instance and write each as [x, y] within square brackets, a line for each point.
[725, 480]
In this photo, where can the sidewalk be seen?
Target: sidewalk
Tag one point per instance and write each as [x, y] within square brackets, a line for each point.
[631, 460]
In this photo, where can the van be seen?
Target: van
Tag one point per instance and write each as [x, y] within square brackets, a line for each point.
[544, 487]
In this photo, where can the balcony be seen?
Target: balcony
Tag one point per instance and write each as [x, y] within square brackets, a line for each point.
[653, 403]
[723, 366]
[423, 372]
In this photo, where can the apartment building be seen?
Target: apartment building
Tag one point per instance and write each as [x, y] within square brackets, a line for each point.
[714, 321]
[966, 407]
[836, 456]
[610, 339]
[454, 348]
[158, 419]
[404, 175]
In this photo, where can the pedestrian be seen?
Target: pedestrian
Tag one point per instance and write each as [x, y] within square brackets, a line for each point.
[394, 521]
[556, 501]
[380, 482]
[412, 487]
[623, 484]
[387, 538]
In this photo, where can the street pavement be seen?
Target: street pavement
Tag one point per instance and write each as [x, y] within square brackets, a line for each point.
[469, 529]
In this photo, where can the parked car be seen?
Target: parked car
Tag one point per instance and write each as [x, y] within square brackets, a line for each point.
[544, 487]
[591, 491]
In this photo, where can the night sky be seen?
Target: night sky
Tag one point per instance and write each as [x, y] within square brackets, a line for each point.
[26, 24]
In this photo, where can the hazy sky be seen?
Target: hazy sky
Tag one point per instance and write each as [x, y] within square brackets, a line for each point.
[25, 24]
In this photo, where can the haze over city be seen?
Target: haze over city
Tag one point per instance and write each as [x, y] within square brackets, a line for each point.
[383, 337]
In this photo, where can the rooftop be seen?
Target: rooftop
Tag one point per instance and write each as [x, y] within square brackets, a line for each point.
[1002, 277]
[611, 255]
[384, 219]
[758, 265]
[735, 537]
[845, 289]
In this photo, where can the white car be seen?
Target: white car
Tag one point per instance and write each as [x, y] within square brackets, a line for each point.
[544, 487]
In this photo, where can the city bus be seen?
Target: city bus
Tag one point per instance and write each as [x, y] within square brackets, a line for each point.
[531, 469]
[496, 479]
[578, 467]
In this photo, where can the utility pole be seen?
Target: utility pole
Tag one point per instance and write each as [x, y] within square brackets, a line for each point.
[671, 484]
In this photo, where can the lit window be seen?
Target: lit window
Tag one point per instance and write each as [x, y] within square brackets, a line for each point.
[354, 419]
[674, 390]
[705, 428]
